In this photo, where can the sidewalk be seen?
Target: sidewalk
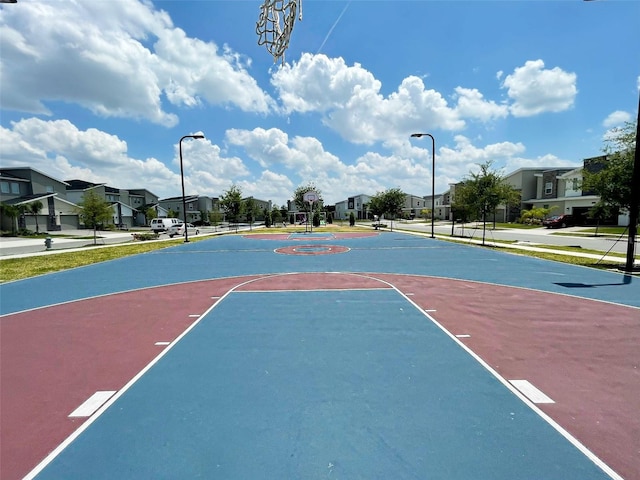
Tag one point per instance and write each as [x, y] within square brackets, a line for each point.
[79, 240]
[65, 241]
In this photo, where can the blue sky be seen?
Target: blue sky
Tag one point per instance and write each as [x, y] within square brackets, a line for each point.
[103, 90]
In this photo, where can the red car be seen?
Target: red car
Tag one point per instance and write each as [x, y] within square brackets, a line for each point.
[558, 221]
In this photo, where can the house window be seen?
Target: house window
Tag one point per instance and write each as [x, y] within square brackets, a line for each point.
[548, 188]
[574, 184]
[4, 187]
[49, 188]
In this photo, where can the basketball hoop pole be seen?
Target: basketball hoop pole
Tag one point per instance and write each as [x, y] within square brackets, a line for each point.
[310, 197]
[433, 176]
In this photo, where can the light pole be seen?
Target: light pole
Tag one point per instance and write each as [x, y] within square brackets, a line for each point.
[184, 202]
[635, 202]
[433, 176]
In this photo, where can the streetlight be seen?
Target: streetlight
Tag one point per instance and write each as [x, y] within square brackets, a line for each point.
[433, 176]
[635, 201]
[184, 202]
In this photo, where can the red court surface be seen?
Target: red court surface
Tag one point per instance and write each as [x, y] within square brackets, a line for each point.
[582, 353]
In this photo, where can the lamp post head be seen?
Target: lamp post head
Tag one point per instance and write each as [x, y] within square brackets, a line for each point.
[197, 136]
[417, 135]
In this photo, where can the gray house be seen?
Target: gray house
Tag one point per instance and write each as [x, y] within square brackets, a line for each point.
[20, 186]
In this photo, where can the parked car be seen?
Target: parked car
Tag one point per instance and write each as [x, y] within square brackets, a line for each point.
[558, 221]
[178, 229]
[201, 223]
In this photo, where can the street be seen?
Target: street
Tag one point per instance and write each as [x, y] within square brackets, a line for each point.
[537, 236]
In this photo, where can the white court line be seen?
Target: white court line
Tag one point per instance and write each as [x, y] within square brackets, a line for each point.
[463, 335]
[162, 344]
[93, 403]
[195, 315]
[531, 392]
[573, 440]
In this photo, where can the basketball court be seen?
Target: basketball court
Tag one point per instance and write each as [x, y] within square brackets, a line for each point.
[357, 355]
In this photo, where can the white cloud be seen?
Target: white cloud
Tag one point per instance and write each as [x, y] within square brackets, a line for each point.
[116, 60]
[65, 152]
[543, 161]
[351, 102]
[616, 119]
[536, 90]
[60, 149]
[471, 104]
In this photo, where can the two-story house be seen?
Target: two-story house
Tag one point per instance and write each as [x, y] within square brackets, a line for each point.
[20, 186]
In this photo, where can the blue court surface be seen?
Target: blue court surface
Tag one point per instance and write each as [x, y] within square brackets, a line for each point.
[390, 252]
[355, 384]
[309, 383]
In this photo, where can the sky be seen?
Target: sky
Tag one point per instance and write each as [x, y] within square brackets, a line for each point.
[103, 91]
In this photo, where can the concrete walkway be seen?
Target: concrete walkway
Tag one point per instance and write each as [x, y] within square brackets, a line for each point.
[78, 240]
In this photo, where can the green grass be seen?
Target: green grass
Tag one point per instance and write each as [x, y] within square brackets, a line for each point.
[19, 268]
[519, 226]
[605, 230]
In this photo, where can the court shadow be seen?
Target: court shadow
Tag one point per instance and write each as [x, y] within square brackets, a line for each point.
[626, 280]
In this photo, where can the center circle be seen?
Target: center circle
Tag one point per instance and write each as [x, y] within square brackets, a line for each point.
[312, 250]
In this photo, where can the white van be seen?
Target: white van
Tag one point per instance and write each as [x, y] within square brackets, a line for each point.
[163, 224]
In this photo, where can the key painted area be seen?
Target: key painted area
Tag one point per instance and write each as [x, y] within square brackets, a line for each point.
[531, 392]
[93, 403]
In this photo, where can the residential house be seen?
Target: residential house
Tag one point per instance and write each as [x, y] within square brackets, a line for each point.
[538, 187]
[413, 205]
[20, 186]
[198, 207]
[124, 215]
[357, 204]
[141, 200]
[261, 206]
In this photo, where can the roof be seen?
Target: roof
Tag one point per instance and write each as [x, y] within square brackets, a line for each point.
[4, 172]
[81, 184]
[25, 199]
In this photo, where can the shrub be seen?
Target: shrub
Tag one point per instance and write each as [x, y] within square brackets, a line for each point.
[145, 236]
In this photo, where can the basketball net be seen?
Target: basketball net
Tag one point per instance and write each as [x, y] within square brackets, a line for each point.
[275, 25]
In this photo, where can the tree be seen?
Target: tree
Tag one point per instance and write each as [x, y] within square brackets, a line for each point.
[483, 191]
[11, 212]
[536, 215]
[149, 214]
[251, 210]
[388, 203]
[232, 204]
[276, 215]
[600, 211]
[34, 209]
[267, 217]
[611, 178]
[94, 211]
[215, 217]
[298, 198]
